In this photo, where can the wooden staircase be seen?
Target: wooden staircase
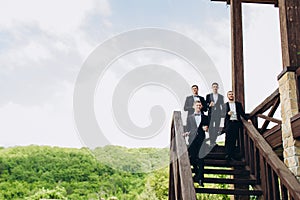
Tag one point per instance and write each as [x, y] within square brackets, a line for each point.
[222, 175]
[259, 171]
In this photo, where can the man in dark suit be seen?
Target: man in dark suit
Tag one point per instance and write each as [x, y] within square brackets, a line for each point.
[189, 101]
[233, 123]
[197, 125]
[215, 103]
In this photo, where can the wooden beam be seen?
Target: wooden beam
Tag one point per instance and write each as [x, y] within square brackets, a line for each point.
[237, 59]
[266, 104]
[295, 121]
[269, 118]
[289, 13]
[275, 2]
[271, 114]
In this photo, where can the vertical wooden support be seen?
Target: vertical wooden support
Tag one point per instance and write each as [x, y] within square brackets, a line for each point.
[237, 59]
[289, 12]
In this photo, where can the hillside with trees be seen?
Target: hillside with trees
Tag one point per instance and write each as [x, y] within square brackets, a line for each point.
[106, 173]
[36, 172]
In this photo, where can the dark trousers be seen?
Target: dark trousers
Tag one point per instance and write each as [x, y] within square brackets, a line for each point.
[214, 128]
[232, 132]
[195, 160]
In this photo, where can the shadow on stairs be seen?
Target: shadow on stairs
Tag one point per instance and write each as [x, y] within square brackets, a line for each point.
[229, 177]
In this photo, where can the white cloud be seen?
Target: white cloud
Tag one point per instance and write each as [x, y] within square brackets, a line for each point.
[49, 124]
[261, 51]
[215, 41]
[51, 15]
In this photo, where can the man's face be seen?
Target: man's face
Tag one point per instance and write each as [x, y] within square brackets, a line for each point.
[197, 107]
[215, 88]
[195, 90]
[230, 96]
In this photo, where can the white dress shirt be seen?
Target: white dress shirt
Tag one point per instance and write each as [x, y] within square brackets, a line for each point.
[233, 109]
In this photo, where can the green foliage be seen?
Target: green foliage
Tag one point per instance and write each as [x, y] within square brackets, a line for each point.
[141, 160]
[57, 193]
[115, 173]
[159, 181]
[34, 172]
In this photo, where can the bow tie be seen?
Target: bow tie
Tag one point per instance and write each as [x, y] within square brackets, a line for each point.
[196, 114]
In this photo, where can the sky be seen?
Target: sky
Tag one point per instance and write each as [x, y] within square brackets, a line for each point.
[46, 46]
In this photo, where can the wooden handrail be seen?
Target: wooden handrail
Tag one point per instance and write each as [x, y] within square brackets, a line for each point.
[271, 167]
[272, 119]
[181, 185]
[266, 104]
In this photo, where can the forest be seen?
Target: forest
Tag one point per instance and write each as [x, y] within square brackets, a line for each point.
[105, 173]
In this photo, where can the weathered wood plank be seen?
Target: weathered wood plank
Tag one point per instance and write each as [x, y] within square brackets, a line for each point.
[266, 104]
[229, 191]
[231, 181]
[275, 2]
[270, 114]
[237, 58]
[263, 176]
[285, 175]
[273, 136]
[187, 190]
[275, 186]
[269, 118]
[289, 13]
[295, 121]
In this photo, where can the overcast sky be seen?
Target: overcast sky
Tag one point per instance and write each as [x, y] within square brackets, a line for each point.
[44, 44]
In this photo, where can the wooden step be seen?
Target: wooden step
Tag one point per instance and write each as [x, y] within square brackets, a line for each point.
[229, 191]
[230, 181]
[223, 163]
[216, 155]
[227, 171]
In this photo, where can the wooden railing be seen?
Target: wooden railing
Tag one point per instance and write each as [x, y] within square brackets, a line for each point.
[181, 186]
[271, 135]
[295, 121]
[272, 102]
[276, 180]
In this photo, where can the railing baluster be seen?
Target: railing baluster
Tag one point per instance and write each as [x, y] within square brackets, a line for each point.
[251, 152]
[269, 182]
[275, 185]
[271, 168]
[263, 176]
[284, 193]
[256, 166]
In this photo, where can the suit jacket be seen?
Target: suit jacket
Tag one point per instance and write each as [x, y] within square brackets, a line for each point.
[189, 103]
[191, 126]
[239, 111]
[217, 108]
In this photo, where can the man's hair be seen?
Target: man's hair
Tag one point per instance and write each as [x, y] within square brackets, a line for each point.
[215, 84]
[197, 102]
[195, 86]
[229, 91]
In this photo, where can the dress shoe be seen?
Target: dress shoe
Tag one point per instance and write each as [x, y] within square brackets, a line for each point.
[232, 159]
[201, 183]
[227, 157]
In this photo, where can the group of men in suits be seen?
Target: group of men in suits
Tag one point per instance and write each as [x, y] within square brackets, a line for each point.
[198, 123]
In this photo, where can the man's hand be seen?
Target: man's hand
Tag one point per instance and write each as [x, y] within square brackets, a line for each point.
[205, 128]
[212, 104]
[249, 121]
[185, 134]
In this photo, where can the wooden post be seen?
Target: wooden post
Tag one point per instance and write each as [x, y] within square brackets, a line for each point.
[289, 13]
[237, 51]
[237, 62]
